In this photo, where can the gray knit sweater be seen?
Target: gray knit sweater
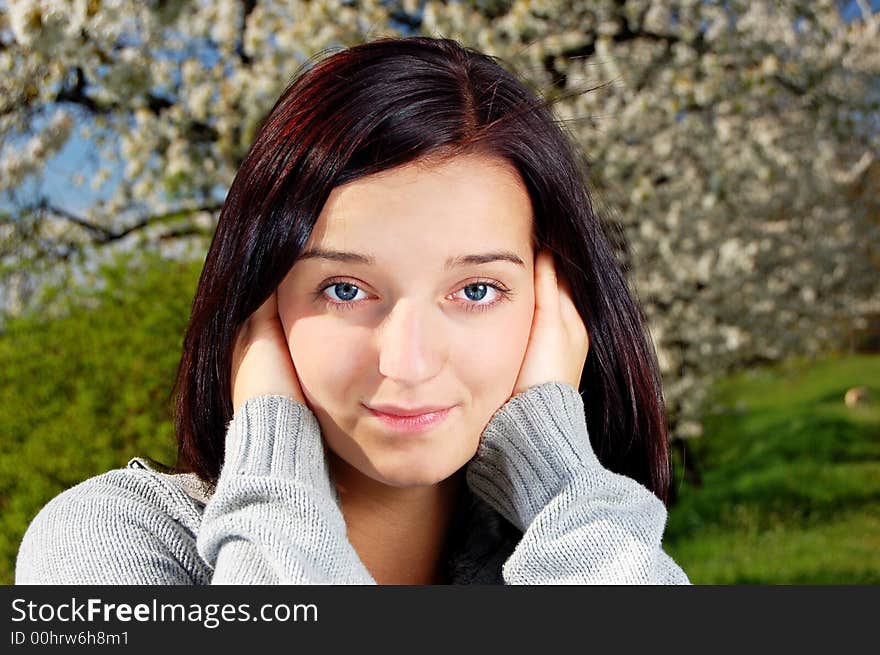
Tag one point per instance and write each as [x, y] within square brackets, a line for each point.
[540, 509]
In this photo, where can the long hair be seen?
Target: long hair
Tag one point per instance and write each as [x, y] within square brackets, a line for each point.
[373, 107]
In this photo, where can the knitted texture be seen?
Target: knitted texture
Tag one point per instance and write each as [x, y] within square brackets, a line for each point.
[275, 517]
[582, 523]
[540, 509]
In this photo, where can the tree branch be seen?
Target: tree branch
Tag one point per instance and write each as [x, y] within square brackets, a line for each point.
[249, 6]
[625, 34]
[103, 235]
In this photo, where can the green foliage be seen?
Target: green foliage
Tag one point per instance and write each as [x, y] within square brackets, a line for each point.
[84, 392]
[790, 479]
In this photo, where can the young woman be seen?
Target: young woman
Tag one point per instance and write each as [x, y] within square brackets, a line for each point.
[412, 359]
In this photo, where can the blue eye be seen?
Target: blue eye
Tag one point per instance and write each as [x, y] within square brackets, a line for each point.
[477, 291]
[345, 291]
[346, 295]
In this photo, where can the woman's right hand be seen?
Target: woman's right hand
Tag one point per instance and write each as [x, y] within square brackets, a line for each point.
[261, 362]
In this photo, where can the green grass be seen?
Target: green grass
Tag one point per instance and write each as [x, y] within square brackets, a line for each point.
[789, 489]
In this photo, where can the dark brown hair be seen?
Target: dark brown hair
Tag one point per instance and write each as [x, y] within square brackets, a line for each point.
[382, 104]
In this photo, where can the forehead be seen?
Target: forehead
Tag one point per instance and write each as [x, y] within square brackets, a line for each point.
[429, 209]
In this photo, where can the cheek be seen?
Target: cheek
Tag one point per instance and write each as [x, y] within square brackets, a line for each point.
[491, 370]
[325, 356]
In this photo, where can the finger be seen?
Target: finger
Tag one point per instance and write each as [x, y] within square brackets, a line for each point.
[567, 305]
[268, 309]
[562, 283]
[546, 291]
[571, 317]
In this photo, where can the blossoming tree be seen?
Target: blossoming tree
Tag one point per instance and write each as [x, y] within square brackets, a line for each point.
[734, 144]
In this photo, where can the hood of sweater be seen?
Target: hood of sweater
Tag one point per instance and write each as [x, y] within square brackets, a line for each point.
[479, 542]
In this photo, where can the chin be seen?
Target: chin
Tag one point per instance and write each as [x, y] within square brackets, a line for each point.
[404, 474]
[409, 479]
[392, 463]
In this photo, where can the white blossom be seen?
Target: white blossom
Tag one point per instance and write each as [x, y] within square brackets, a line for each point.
[733, 161]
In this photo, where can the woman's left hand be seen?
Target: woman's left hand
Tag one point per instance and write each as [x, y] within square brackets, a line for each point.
[558, 343]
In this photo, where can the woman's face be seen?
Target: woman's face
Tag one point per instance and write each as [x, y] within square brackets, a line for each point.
[415, 289]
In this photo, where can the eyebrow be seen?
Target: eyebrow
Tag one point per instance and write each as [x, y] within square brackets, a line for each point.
[452, 262]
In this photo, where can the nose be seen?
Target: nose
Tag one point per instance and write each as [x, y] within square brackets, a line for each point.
[411, 348]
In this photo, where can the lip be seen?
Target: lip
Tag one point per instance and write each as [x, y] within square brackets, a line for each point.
[403, 411]
[411, 424]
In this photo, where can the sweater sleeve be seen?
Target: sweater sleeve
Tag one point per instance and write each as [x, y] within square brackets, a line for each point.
[274, 517]
[581, 523]
[119, 528]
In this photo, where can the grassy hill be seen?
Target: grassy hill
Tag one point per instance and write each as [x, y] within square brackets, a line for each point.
[790, 479]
